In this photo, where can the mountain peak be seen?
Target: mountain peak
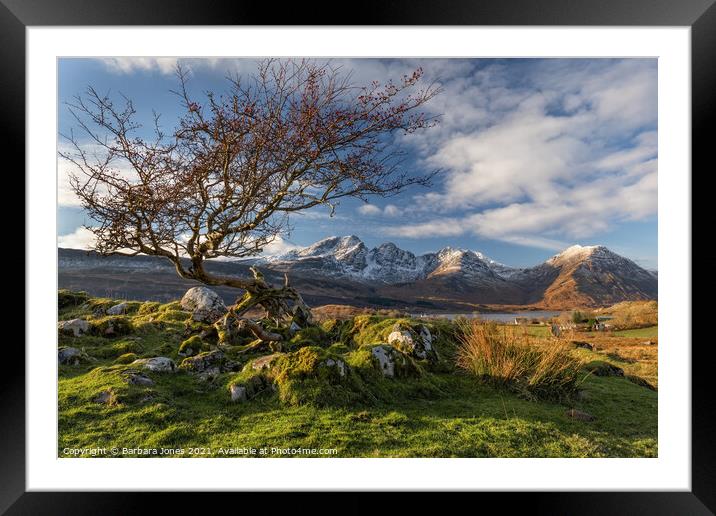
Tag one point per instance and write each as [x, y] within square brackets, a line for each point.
[576, 252]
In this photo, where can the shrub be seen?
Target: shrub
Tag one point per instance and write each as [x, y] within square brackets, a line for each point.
[536, 369]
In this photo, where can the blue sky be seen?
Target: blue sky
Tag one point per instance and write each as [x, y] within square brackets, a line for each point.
[534, 154]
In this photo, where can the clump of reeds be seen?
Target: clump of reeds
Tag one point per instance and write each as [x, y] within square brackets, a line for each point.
[534, 367]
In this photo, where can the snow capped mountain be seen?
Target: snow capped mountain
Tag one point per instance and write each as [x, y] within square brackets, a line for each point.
[342, 270]
[586, 275]
[348, 257]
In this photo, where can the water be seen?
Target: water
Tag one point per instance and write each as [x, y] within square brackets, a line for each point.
[495, 316]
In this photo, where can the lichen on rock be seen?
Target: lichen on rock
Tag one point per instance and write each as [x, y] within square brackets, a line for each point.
[156, 364]
[204, 304]
[75, 327]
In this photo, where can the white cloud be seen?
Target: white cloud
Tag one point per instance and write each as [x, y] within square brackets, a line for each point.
[278, 246]
[391, 210]
[81, 238]
[536, 153]
[436, 227]
[65, 194]
[565, 150]
[125, 65]
[369, 209]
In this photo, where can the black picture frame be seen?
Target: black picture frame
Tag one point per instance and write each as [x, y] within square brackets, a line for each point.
[700, 15]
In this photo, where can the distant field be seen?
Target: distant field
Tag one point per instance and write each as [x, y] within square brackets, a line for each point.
[535, 331]
[650, 332]
[538, 331]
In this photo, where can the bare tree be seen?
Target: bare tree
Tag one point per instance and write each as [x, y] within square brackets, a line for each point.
[292, 136]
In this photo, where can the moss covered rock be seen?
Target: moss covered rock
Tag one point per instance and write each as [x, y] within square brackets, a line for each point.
[156, 364]
[389, 361]
[127, 358]
[191, 346]
[246, 386]
[311, 375]
[414, 340]
[601, 368]
[112, 326]
[71, 356]
[309, 336]
[75, 327]
[204, 361]
[148, 307]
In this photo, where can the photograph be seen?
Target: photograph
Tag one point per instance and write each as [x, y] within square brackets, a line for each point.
[357, 257]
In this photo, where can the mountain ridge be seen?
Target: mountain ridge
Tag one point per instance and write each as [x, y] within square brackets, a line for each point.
[344, 270]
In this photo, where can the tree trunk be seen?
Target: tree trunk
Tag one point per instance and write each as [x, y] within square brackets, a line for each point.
[275, 301]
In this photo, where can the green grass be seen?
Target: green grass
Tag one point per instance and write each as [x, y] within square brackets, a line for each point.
[650, 332]
[472, 421]
[437, 413]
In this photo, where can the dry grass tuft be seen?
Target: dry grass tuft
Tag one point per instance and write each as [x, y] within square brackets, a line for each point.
[536, 368]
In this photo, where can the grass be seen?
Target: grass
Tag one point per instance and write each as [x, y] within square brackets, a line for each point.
[433, 412]
[473, 421]
[633, 314]
[650, 332]
[541, 368]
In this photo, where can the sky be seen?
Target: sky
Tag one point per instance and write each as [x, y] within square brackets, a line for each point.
[533, 155]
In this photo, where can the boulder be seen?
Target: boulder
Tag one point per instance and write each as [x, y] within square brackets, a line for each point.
[204, 304]
[238, 393]
[204, 361]
[384, 356]
[137, 378]
[392, 362]
[156, 364]
[247, 389]
[416, 343]
[76, 327]
[69, 356]
[107, 397]
[112, 326]
[119, 309]
[583, 345]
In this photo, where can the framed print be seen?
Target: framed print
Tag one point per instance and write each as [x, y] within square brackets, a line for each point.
[422, 252]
